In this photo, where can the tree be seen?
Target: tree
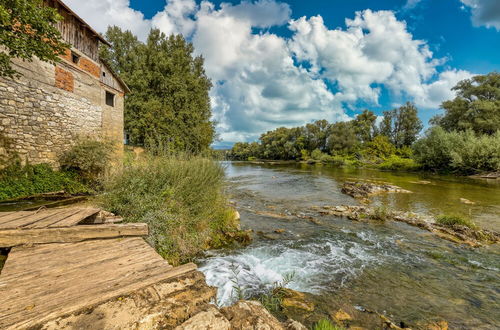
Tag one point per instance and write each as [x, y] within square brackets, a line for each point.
[27, 29]
[169, 102]
[476, 106]
[342, 138]
[364, 125]
[316, 135]
[401, 125]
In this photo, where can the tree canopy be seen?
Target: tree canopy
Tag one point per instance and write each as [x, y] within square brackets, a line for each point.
[401, 125]
[27, 29]
[169, 101]
[476, 106]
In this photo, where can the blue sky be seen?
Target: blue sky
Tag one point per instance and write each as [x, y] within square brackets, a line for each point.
[285, 63]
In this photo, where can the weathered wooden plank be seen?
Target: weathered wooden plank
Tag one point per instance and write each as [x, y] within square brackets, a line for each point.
[30, 218]
[14, 215]
[76, 218]
[80, 275]
[53, 219]
[14, 237]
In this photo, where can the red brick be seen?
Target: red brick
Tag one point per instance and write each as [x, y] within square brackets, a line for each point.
[64, 79]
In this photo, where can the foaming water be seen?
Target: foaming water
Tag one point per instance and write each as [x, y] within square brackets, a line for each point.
[316, 264]
[387, 267]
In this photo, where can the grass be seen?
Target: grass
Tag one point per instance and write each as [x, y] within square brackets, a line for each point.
[381, 213]
[272, 299]
[325, 324]
[451, 220]
[397, 163]
[181, 199]
[22, 181]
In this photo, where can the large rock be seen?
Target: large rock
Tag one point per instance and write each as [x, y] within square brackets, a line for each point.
[210, 318]
[362, 190]
[250, 315]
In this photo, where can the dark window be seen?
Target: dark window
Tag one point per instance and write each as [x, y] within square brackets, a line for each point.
[104, 74]
[110, 99]
[75, 58]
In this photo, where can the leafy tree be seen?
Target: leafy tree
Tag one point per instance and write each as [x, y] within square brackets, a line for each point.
[27, 29]
[476, 106]
[317, 135]
[364, 125]
[401, 125]
[169, 103]
[342, 139]
[283, 143]
[380, 147]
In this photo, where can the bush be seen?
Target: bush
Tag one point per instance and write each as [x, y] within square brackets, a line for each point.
[451, 220]
[381, 213]
[325, 324]
[461, 152]
[182, 200]
[22, 181]
[396, 163]
[88, 158]
[380, 147]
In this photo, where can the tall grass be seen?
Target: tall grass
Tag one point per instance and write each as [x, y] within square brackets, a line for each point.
[180, 198]
[325, 324]
[451, 220]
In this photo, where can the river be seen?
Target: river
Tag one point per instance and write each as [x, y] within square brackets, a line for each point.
[406, 273]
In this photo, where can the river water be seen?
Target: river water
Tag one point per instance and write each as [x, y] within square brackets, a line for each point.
[392, 268]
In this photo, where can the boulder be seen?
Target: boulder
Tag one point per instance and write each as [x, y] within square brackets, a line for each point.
[250, 315]
[296, 302]
[209, 318]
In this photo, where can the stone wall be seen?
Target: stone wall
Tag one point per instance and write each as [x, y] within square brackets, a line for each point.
[48, 107]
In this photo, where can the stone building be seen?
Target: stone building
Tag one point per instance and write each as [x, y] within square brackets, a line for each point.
[44, 111]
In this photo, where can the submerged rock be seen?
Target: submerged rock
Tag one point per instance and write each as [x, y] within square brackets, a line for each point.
[362, 190]
[459, 234]
[466, 201]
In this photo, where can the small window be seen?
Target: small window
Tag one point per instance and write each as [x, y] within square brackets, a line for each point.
[104, 74]
[75, 58]
[110, 99]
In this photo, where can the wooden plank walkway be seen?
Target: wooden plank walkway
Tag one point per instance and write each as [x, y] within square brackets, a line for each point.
[54, 218]
[46, 281]
[41, 282]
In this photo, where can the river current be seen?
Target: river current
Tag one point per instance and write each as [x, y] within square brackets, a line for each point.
[404, 272]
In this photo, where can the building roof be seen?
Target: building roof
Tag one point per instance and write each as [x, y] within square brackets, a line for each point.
[97, 35]
[120, 80]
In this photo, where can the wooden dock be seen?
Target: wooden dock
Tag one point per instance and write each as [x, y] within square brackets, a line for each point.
[61, 263]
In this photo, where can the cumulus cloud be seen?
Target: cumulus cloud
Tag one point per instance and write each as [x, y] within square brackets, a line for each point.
[262, 80]
[102, 13]
[484, 12]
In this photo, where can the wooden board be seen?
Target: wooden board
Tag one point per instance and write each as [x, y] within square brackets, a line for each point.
[58, 217]
[43, 282]
[14, 237]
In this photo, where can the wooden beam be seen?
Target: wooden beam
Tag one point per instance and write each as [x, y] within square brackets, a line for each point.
[14, 237]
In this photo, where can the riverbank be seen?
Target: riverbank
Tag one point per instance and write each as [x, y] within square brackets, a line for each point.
[408, 275]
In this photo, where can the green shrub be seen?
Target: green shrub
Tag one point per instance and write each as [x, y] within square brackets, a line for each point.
[451, 220]
[379, 147]
[396, 163]
[182, 200]
[462, 152]
[23, 181]
[325, 324]
[88, 158]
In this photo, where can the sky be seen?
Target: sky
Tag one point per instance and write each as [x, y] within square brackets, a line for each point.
[287, 63]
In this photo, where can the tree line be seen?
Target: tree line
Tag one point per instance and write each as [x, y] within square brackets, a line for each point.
[464, 139]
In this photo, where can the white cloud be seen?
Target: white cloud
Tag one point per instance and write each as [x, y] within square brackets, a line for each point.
[484, 12]
[102, 13]
[262, 80]
[410, 4]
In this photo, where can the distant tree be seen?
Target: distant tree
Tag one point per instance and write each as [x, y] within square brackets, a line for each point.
[283, 143]
[364, 125]
[476, 106]
[316, 135]
[27, 29]
[343, 138]
[169, 102]
[401, 125]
